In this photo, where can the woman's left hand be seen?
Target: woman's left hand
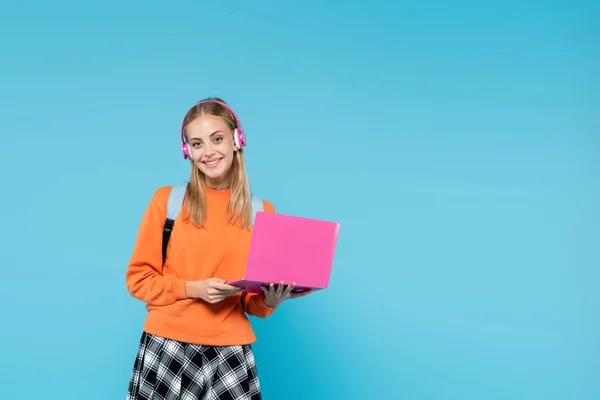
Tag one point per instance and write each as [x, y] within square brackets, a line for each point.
[274, 296]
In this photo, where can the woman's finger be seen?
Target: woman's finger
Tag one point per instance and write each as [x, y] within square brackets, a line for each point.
[300, 294]
[216, 299]
[280, 288]
[222, 287]
[229, 292]
[289, 289]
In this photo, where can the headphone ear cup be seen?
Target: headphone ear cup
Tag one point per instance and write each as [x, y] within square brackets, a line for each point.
[187, 152]
[236, 138]
[239, 138]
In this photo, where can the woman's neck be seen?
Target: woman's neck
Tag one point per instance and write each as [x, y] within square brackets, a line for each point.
[218, 185]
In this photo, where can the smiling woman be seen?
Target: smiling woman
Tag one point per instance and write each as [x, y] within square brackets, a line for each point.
[215, 148]
[196, 341]
[213, 139]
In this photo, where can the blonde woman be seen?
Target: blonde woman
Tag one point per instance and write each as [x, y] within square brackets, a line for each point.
[196, 340]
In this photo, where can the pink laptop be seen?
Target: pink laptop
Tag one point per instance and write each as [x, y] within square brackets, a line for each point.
[290, 249]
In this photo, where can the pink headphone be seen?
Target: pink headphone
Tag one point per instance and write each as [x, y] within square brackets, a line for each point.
[238, 134]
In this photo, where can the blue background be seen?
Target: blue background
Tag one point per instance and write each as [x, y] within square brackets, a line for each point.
[458, 143]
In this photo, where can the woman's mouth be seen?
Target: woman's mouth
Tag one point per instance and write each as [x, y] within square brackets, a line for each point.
[212, 163]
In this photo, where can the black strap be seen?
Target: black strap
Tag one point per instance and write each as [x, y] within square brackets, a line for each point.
[168, 228]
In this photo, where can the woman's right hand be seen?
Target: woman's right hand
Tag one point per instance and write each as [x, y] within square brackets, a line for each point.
[212, 290]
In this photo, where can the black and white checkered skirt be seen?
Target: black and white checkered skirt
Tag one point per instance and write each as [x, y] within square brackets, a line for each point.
[166, 369]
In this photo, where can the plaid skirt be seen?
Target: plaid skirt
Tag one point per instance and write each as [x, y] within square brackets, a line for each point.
[166, 369]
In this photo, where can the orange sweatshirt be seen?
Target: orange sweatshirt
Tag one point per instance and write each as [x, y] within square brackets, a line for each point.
[218, 250]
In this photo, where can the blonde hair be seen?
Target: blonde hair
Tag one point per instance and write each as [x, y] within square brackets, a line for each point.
[239, 208]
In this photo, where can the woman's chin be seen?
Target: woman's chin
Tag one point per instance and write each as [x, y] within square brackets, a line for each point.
[214, 174]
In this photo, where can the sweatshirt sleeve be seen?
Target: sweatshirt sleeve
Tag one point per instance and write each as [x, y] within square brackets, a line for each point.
[144, 278]
[254, 303]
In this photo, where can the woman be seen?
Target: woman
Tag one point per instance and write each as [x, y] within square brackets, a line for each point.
[196, 340]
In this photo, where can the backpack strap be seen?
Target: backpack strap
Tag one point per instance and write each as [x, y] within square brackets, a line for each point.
[257, 205]
[174, 206]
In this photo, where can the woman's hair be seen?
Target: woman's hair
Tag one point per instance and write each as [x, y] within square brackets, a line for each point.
[240, 209]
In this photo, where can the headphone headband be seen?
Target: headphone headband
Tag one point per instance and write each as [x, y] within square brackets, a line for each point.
[238, 133]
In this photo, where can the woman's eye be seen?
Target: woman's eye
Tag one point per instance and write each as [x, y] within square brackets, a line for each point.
[196, 145]
[218, 139]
